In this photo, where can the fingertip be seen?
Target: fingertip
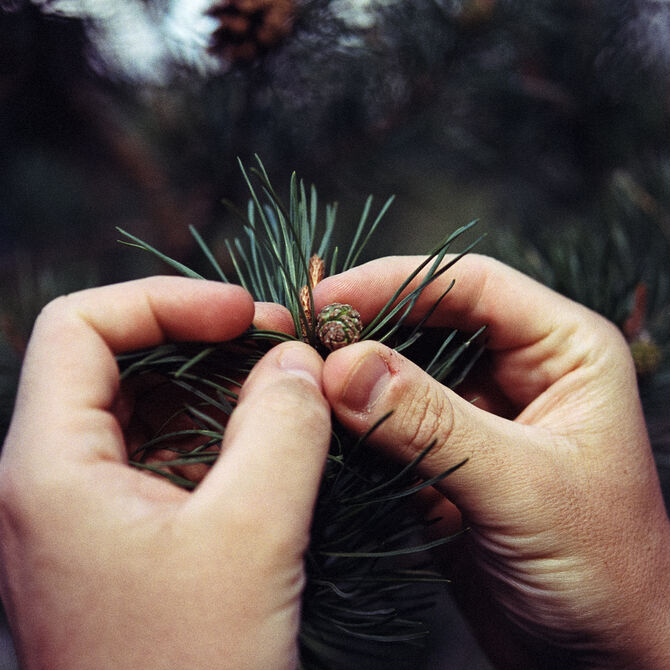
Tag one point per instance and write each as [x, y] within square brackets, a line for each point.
[337, 368]
[356, 376]
[271, 316]
[301, 360]
[230, 310]
[294, 358]
[322, 293]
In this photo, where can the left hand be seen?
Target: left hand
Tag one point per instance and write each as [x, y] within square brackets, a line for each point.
[104, 566]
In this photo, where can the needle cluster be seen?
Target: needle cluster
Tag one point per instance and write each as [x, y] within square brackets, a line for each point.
[369, 577]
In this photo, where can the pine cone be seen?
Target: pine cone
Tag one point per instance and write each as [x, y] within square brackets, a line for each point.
[249, 28]
[338, 325]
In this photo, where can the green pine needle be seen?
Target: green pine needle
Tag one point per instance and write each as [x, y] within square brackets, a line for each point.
[369, 581]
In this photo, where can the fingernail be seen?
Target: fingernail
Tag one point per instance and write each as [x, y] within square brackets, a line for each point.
[296, 361]
[366, 383]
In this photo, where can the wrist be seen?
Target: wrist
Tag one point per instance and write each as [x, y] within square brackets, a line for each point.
[643, 631]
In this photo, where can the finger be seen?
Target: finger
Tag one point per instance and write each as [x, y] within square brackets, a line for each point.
[146, 312]
[536, 334]
[365, 381]
[69, 380]
[270, 316]
[486, 292]
[275, 446]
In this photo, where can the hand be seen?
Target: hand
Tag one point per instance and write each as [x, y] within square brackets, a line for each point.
[105, 566]
[568, 553]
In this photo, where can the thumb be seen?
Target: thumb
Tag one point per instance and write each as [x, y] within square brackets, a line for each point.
[367, 380]
[275, 446]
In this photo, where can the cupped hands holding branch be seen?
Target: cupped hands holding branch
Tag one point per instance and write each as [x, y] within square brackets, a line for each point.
[105, 566]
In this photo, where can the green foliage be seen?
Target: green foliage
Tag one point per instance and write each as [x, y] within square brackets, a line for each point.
[369, 579]
[615, 262]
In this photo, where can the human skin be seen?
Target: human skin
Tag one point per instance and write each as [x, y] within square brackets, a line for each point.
[104, 566]
[566, 561]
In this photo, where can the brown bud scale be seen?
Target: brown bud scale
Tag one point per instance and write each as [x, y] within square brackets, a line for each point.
[315, 273]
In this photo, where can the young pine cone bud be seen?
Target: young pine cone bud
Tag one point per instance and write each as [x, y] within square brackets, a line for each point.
[338, 325]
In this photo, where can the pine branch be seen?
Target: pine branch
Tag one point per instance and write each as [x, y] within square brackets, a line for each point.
[369, 581]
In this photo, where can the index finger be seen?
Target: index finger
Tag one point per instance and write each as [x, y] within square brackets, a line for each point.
[535, 334]
[485, 292]
[70, 369]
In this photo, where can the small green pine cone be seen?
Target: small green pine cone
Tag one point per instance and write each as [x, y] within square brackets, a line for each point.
[338, 325]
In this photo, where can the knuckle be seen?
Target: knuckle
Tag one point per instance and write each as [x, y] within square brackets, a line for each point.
[14, 504]
[425, 416]
[50, 313]
[56, 308]
[56, 316]
[8, 489]
[608, 349]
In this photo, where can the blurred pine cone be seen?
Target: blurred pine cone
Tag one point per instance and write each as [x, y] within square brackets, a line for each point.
[248, 28]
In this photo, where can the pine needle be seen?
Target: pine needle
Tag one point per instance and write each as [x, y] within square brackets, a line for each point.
[368, 578]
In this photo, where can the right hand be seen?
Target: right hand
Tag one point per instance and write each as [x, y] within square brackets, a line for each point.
[568, 556]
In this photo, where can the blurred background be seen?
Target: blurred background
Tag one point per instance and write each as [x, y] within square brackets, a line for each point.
[547, 121]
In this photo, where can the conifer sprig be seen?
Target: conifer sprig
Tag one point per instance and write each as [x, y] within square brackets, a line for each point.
[369, 580]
